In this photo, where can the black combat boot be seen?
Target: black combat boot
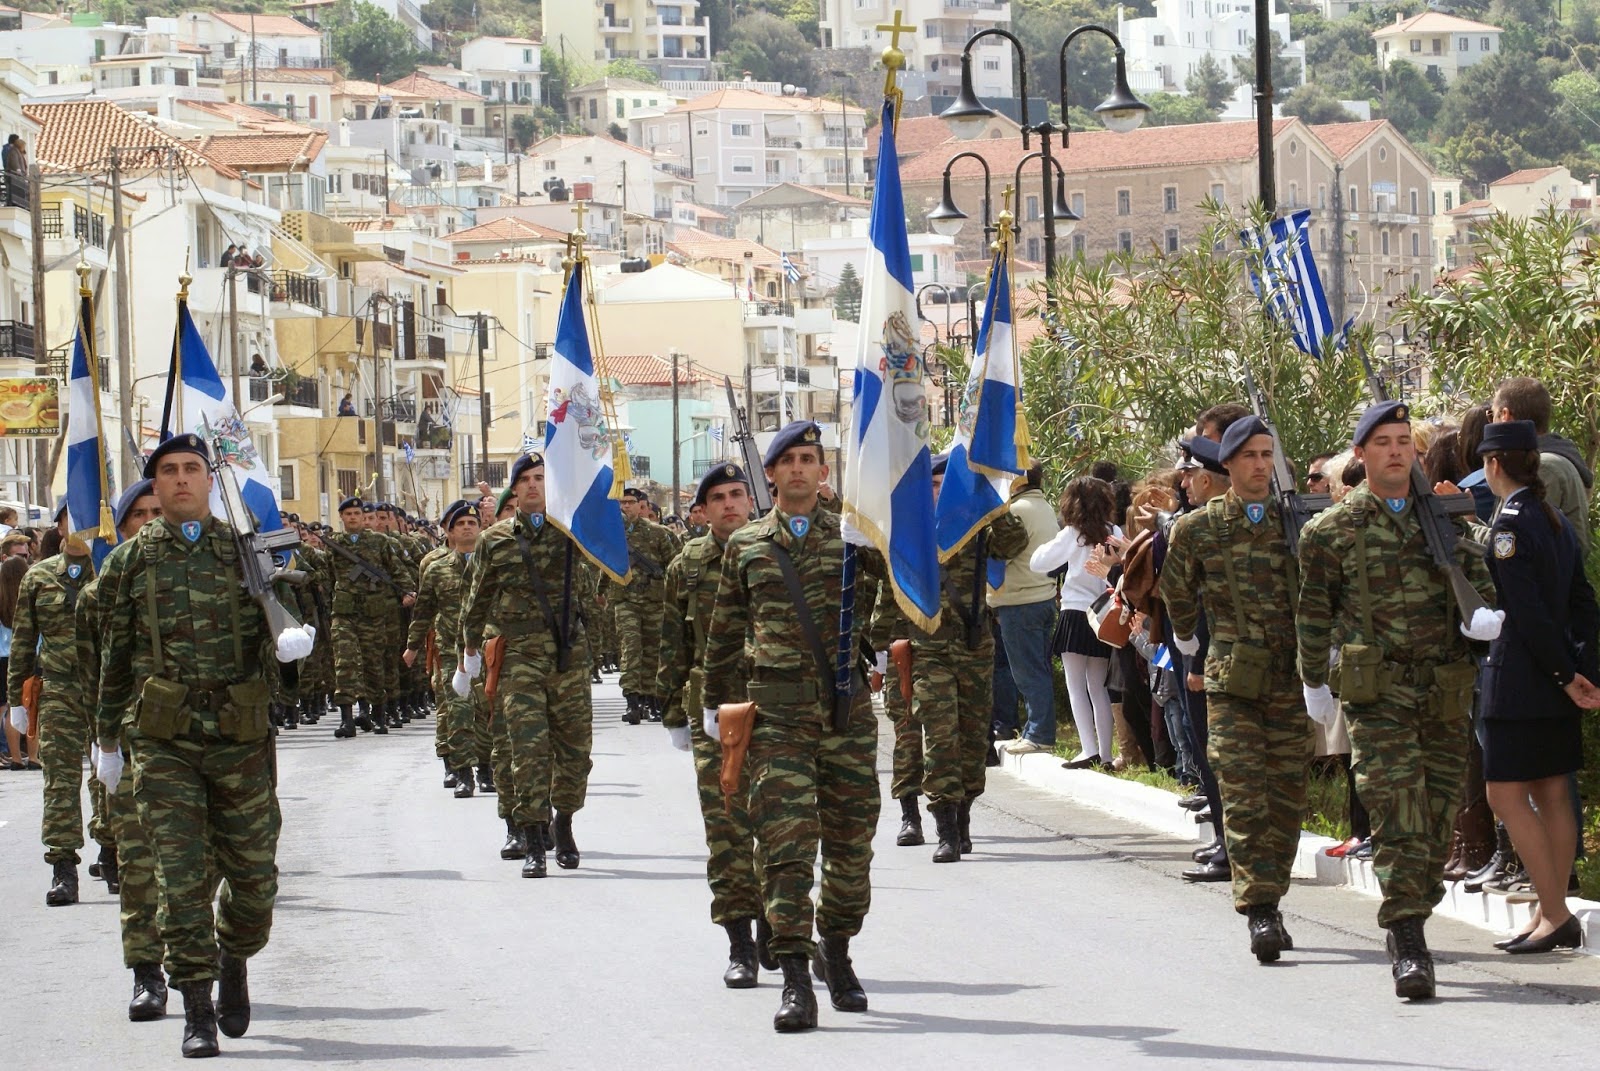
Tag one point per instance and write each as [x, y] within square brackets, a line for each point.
[1498, 863]
[308, 712]
[199, 1020]
[233, 995]
[764, 955]
[149, 1001]
[108, 868]
[450, 779]
[1266, 939]
[964, 826]
[910, 834]
[741, 972]
[347, 726]
[380, 717]
[566, 848]
[545, 836]
[652, 706]
[533, 862]
[832, 965]
[947, 820]
[486, 779]
[516, 845]
[464, 783]
[363, 716]
[1411, 961]
[594, 675]
[63, 885]
[631, 715]
[1283, 931]
[799, 1008]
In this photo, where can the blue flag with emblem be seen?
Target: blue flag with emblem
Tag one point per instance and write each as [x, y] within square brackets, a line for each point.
[1290, 286]
[88, 479]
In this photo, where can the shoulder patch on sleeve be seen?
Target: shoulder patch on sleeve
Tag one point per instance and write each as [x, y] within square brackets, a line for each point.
[1505, 544]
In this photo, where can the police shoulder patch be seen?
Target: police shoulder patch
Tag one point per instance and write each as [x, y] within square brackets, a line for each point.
[1505, 544]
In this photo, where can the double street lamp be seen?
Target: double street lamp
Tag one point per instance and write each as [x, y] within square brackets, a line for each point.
[968, 116]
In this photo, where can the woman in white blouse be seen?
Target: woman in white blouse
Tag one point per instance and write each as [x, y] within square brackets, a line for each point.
[1088, 515]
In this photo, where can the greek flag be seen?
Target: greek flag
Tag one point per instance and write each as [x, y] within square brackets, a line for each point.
[983, 457]
[411, 452]
[716, 433]
[1289, 285]
[888, 476]
[529, 443]
[788, 268]
[1163, 657]
[88, 478]
[578, 444]
[196, 397]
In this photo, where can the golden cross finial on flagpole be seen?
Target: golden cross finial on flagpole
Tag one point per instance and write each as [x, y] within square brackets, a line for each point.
[895, 29]
[580, 207]
[894, 61]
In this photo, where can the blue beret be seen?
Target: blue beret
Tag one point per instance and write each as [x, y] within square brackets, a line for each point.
[187, 443]
[1510, 435]
[368, 507]
[353, 502]
[716, 476]
[129, 497]
[1205, 453]
[523, 464]
[1380, 413]
[795, 433]
[458, 509]
[1239, 433]
[940, 463]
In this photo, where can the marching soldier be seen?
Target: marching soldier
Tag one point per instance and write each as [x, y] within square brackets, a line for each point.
[636, 605]
[1406, 676]
[365, 567]
[1232, 554]
[813, 770]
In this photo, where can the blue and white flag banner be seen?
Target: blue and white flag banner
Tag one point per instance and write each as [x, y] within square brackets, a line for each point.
[789, 270]
[888, 475]
[88, 478]
[578, 444]
[1290, 286]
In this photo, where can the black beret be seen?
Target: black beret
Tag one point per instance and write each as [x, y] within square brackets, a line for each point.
[716, 476]
[1240, 432]
[1510, 435]
[1204, 451]
[353, 502]
[1380, 413]
[129, 497]
[458, 509]
[940, 463]
[795, 433]
[187, 443]
[523, 464]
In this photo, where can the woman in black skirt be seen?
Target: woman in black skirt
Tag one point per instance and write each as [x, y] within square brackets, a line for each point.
[1537, 679]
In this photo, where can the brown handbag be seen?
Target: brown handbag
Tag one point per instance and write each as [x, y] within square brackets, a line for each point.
[1111, 619]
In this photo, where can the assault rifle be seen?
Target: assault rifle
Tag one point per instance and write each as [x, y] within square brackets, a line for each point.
[1437, 515]
[360, 569]
[753, 469]
[1297, 508]
[256, 548]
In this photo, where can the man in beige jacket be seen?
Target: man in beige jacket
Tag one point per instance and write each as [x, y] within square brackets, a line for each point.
[1025, 609]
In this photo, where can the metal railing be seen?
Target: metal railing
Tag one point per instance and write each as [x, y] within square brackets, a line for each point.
[292, 286]
[492, 473]
[640, 465]
[16, 340]
[397, 408]
[89, 226]
[13, 189]
[60, 366]
[50, 221]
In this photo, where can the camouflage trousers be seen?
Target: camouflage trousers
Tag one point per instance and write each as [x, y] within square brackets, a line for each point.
[138, 897]
[550, 727]
[1260, 750]
[65, 730]
[639, 636]
[360, 644]
[1409, 752]
[210, 811]
[812, 787]
[907, 776]
[952, 693]
[499, 752]
[733, 866]
[461, 725]
[600, 626]
[396, 676]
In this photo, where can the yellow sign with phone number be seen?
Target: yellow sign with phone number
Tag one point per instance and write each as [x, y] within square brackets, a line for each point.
[30, 406]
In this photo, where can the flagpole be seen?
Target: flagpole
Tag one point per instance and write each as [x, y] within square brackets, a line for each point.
[107, 527]
[783, 301]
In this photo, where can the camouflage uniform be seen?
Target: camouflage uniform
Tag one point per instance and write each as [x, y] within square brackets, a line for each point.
[636, 606]
[44, 618]
[395, 620]
[1410, 746]
[462, 732]
[316, 674]
[732, 867]
[203, 766]
[362, 612]
[1243, 575]
[810, 784]
[546, 710]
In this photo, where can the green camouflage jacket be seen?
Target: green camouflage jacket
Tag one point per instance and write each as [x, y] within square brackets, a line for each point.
[44, 635]
[1004, 537]
[650, 548]
[499, 592]
[691, 592]
[438, 605]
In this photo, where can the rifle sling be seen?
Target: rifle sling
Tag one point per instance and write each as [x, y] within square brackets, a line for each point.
[802, 612]
[361, 566]
[966, 610]
[539, 590]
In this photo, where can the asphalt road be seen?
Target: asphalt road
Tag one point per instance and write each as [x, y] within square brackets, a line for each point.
[403, 940]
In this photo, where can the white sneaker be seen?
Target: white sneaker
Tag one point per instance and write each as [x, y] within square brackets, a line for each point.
[1024, 747]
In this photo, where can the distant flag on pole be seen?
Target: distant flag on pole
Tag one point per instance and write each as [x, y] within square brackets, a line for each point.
[1163, 657]
[715, 431]
[1289, 285]
[789, 270]
[888, 475]
[530, 443]
[578, 444]
[411, 452]
[202, 400]
[88, 481]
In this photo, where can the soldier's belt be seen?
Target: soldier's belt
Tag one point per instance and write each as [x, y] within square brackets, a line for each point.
[207, 697]
[1413, 673]
[1285, 660]
[785, 694]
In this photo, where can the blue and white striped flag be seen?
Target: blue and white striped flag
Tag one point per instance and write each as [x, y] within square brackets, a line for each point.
[529, 443]
[983, 456]
[578, 445]
[1162, 658]
[788, 268]
[88, 479]
[888, 473]
[410, 449]
[1290, 286]
[716, 434]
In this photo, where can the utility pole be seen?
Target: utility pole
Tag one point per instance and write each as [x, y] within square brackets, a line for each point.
[624, 227]
[233, 334]
[1264, 149]
[483, 394]
[377, 406]
[119, 231]
[1338, 244]
[676, 444]
[39, 489]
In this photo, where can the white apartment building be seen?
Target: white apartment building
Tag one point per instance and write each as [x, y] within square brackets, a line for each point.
[734, 143]
[599, 104]
[940, 30]
[233, 40]
[503, 69]
[1435, 41]
[1164, 49]
[671, 37]
[601, 169]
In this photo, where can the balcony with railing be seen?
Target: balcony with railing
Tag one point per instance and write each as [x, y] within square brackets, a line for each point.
[835, 138]
[59, 365]
[286, 286]
[88, 227]
[397, 407]
[613, 24]
[292, 391]
[492, 473]
[16, 341]
[433, 426]
[640, 464]
[13, 189]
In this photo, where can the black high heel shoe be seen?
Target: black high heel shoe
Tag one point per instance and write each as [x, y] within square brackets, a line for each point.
[1567, 935]
[1509, 941]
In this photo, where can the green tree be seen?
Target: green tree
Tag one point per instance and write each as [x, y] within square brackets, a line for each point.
[1285, 72]
[368, 44]
[1316, 105]
[1511, 96]
[1410, 101]
[1483, 155]
[803, 15]
[770, 48]
[847, 294]
[524, 128]
[1169, 109]
[1042, 27]
[616, 132]
[1209, 83]
[632, 68]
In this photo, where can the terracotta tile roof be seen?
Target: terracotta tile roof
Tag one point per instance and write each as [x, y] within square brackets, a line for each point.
[919, 133]
[557, 142]
[265, 25]
[372, 90]
[619, 83]
[696, 244]
[507, 40]
[247, 117]
[1103, 150]
[1467, 208]
[430, 89]
[1343, 138]
[648, 370]
[76, 134]
[509, 229]
[309, 76]
[247, 151]
[750, 100]
[1525, 176]
[1434, 22]
[707, 212]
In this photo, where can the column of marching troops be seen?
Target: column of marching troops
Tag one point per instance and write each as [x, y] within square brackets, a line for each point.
[160, 662]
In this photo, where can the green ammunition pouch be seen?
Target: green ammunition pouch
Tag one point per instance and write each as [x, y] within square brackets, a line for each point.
[245, 716]
[1361, 673]
[162, 712]
[1453, 685]
[1245, 672]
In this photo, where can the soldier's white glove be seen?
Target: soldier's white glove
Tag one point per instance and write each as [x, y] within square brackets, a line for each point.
[461, 683]
[1321, 706]
[295, 643]
[472, 665]
[1187, 647]
[108, 767]
[708, 720]
[880, 662]
[679, 735]
[1485, 624]
[19, 719]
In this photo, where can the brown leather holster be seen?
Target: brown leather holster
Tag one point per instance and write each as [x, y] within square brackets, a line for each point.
[735, 724]
[900, 655]
[431, 657]
[494, 657]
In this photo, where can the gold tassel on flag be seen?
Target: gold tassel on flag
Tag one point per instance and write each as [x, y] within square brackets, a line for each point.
[576, 260]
